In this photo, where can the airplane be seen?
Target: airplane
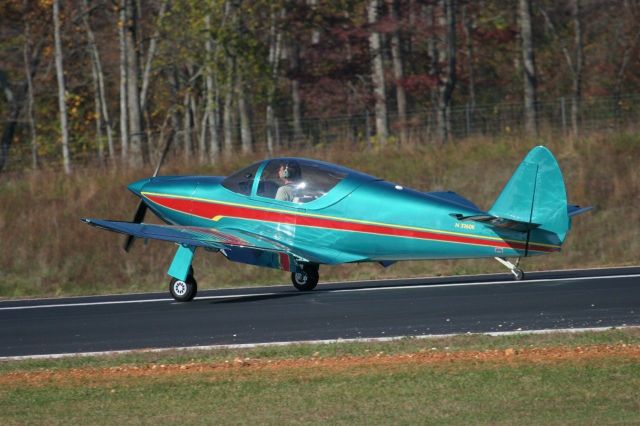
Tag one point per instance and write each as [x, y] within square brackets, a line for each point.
[296, 214]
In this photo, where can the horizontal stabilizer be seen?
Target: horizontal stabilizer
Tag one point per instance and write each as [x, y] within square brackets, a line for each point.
[497, 222]
[573, 210]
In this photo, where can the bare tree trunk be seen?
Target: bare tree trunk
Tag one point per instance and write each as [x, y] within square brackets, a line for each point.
[296, 100]
[204, 123]
[197, 131]
[15, 101]
[576, 95]
[229, 92]
[124, 113]
[398, 71]
[98, 112]
[428, 11]
[315, 33]
[468, 25]
[102, 111]
[228, 110]
[30, 96]
[172, 76]
[622, 66]
[139, 148]
[275, 41]
[447, 75]
[529, 68]
[186, 128]
[61, 88]
[151, 52]
[210, 119]
[246, 136]
[575, 65]
[377, 75]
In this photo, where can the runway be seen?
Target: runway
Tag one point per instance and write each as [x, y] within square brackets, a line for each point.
[368, 309]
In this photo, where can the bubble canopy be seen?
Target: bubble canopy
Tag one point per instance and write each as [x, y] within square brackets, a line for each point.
[303, 180]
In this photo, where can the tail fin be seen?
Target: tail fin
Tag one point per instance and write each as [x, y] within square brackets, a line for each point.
[536, 194]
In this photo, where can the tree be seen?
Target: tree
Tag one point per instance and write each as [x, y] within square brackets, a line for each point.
[468, 23]
[139, 150]
[446, 73]
[377, 73]
[574, 62]
[529, 68]
[398, 70]
[102, 110]
[275, 45]
[211, 115]
[124, 112]
[64, 129]
[27, 54]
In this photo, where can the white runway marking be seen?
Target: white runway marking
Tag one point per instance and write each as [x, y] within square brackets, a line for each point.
[319, 290]
[309, 342]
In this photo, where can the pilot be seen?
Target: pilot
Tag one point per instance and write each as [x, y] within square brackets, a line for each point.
[289, 173]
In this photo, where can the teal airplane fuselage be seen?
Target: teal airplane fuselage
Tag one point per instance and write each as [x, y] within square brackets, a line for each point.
[329, 214]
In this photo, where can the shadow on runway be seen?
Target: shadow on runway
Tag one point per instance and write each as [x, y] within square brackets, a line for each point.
[257, 297]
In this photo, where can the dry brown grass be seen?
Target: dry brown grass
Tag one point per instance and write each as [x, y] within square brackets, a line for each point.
[47, 251]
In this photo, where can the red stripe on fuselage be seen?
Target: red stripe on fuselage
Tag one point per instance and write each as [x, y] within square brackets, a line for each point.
[209, 210]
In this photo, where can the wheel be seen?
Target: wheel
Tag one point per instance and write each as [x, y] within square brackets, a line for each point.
[306, 279]
[183, 291]
[518, 274]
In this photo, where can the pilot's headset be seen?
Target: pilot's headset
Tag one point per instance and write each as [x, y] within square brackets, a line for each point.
[291, 171]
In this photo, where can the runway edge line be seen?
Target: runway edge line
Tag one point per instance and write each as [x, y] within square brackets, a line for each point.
[311, 342]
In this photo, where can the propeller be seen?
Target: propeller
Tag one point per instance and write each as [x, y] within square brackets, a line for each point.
[141, 211]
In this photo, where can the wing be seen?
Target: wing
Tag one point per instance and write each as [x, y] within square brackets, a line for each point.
[227, 239]
[192, 235]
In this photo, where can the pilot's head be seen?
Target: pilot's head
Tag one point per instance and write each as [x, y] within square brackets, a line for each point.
[289, 171]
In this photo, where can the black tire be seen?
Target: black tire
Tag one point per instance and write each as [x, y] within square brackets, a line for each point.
[183, 291]
[306, 279]
[518, 274]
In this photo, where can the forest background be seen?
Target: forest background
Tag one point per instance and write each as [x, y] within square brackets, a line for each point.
[434, 93]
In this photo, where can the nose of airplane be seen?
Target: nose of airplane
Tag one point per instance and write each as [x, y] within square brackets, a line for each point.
[136, 187]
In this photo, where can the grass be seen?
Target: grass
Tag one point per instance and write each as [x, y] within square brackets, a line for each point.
[47, 251]
[580, 391]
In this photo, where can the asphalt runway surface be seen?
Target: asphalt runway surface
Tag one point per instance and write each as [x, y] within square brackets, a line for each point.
[369, 309]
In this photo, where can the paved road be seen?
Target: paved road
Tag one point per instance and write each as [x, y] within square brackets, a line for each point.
[485, 303]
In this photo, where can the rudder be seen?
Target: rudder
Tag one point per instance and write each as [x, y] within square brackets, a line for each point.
[536, 194]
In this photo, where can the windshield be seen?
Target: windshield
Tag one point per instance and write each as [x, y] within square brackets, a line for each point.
[298, 181]
[242, 181]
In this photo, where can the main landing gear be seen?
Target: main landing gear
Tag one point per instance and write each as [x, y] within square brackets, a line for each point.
[518, 274]
[184, 290]
[306, 277]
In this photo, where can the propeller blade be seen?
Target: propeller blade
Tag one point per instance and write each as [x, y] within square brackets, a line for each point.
[142, 207]
[167, 145]
[137, 218]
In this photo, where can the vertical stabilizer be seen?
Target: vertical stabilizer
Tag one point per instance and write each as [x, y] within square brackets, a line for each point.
[536, 194]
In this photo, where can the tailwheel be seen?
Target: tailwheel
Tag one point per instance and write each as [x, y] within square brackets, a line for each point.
[306, 277]
[183, 291]
[518, 274]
